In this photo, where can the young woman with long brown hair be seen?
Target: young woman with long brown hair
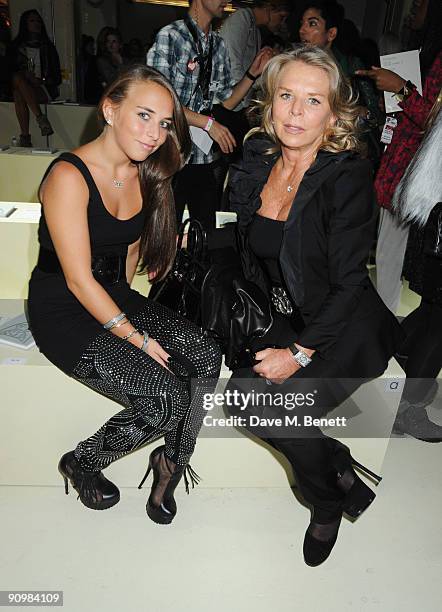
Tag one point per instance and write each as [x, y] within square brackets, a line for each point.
[105, 207]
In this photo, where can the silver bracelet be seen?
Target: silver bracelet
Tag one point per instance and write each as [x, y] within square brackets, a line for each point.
[145, 341]
[111, 324]
[132, 333]
[120, 324]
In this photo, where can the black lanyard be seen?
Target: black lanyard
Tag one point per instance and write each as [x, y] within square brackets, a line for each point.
[204, 61]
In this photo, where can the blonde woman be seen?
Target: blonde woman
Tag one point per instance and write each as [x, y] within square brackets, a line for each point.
[306, 214]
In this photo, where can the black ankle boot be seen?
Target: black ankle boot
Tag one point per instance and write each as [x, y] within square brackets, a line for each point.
[161, 506]
[94, 490]
[358, 496]
[319, 540]
[412, 420]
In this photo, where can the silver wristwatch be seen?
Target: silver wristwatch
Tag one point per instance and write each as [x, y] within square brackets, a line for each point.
[299, 356]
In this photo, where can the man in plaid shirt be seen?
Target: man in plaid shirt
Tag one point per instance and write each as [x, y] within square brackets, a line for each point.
[180, 56]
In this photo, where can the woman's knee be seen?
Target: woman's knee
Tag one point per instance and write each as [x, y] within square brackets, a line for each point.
[18, 81]
[214, 357]
[207, 356]
[166, 409]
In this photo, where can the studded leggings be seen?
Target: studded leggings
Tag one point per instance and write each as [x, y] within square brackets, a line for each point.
[156, 402]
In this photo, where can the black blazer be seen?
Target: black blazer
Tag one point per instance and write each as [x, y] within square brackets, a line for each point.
[323, 256]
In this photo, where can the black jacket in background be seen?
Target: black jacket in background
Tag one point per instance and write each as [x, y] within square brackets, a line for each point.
[323, 256]
[50, 64]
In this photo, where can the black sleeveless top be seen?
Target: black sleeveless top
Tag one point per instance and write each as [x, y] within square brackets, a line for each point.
[61, 326]
[265, 238]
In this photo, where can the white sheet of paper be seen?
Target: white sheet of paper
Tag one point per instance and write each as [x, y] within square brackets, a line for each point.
[406, 65]
[223, 217]
[14, 361]
[201, 138]
[6, 210]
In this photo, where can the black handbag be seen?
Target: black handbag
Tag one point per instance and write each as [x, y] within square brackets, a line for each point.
[206, 285]
[234, 312]
[181, 289]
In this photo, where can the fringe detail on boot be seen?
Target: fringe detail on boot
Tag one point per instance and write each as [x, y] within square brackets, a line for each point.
[193, 476]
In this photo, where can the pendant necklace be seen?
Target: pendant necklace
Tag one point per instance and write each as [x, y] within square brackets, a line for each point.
[291, 186]
[119, 184]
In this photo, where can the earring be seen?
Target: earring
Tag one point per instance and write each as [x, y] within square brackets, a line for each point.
[108, 121]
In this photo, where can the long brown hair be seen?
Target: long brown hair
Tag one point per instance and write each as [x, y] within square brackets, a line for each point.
[158, 239]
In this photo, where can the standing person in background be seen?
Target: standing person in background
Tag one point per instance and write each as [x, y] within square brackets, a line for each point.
[36, 75]
[279, 11]
[323, 24]
[109, 57]
[407, 136]
[242, 37]
[89, 84]
[194, 58]
[418, 200]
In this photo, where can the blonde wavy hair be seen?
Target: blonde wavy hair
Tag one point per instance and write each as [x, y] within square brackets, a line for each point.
[344, 134]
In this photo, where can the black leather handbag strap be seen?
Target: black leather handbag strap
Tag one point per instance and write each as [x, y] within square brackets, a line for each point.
[196, 239]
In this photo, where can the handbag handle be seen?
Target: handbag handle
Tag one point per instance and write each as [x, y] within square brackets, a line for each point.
[196, 239]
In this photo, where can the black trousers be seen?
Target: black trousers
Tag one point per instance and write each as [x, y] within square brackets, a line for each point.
[200, 186]
[156, 402]
[423, 349]
[312, 454]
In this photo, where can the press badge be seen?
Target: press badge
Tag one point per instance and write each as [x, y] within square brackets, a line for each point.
[388, 131]
[192, 64]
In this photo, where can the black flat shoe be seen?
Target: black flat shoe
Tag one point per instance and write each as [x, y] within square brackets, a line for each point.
[161, 506]
[319, 540]
[94, 490]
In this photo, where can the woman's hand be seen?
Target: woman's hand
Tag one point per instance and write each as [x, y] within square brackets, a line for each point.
[385, 80]
[260, 61]
[222, 136]
[276, 365]
[154, 350]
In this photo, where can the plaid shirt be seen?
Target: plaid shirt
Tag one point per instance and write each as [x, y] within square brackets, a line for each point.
[173, 49]
[407, 135]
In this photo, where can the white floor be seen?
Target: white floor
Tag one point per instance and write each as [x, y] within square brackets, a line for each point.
[231, 549]
[236, 549]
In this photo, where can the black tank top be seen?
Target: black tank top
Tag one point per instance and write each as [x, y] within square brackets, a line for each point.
[265, 238]
[107, 233]
[61, 326]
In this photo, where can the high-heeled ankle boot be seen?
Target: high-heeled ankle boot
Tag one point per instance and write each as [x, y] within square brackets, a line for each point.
[161, 506]
[319, 540]
[358, 496]
[94, 490]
